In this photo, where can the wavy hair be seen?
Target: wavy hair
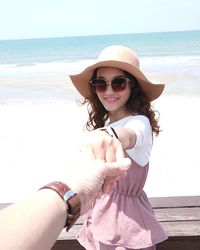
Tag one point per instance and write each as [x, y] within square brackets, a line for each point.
[137, 104]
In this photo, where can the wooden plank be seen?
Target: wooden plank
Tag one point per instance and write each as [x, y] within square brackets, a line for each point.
[182, 228]
[172, 228]
[163, 202]
[173, 243]
[178, 214]
[175, 201]
[67, 245]
[71, 234]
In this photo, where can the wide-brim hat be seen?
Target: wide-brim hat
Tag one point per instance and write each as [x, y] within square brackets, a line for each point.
[121, 57]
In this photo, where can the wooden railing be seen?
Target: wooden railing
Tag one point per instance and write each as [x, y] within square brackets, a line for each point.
[179, 217]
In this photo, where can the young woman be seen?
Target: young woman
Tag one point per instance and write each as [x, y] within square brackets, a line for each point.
[119, 104]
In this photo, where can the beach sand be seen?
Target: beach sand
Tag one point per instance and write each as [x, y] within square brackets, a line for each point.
[175, 163]
[39, 135]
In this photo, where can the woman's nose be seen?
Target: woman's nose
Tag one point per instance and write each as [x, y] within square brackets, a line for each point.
[109, 88]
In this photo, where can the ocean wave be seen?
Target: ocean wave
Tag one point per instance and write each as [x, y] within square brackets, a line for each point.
[43, 68]
[77, 66]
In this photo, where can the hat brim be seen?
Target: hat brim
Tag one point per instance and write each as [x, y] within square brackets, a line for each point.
[81, 80]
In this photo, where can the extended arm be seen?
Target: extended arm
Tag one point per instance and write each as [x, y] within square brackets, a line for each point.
[36, 222]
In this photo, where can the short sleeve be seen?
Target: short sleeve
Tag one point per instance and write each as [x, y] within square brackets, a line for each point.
[142, 149]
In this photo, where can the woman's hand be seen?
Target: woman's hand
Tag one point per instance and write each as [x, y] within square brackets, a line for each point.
[99, 145]
[89, 177]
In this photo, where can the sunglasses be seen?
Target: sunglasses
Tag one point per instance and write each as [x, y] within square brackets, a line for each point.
[118, 84]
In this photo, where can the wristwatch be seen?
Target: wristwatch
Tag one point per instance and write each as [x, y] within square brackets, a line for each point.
[70, 197]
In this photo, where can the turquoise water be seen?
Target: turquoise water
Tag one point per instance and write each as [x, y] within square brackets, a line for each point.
[170, 57]
[68, 49]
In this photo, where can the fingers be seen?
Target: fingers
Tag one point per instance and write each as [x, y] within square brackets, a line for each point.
[113, 172]
[119, 153]
[94, 145]
[89, 177]
[116, 168]
[99, 145]
[88, 152]
[109, 184]
[114, 151]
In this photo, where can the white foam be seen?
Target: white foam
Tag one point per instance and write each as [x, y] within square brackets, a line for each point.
[50, 68]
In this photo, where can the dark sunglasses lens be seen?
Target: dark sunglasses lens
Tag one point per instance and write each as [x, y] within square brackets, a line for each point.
[99, 85]
[119, 84]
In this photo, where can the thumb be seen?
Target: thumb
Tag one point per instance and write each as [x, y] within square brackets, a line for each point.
[113, 172]
[116, 168]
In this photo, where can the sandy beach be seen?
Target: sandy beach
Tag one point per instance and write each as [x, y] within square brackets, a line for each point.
[38, 135]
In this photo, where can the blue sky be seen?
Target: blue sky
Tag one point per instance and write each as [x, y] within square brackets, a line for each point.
[59, 18]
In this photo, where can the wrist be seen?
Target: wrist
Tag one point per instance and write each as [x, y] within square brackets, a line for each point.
[52, 199]
[71, 199]
[110, 131]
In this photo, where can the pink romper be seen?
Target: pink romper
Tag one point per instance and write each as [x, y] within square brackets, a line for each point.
[123, 218]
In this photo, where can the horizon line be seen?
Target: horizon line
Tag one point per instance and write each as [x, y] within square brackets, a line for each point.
[90, 35]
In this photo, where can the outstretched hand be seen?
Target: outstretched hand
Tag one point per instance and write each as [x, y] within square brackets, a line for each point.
[98, 144]
[89, 177]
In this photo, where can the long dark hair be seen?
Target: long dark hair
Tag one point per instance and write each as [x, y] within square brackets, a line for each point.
[137, 104]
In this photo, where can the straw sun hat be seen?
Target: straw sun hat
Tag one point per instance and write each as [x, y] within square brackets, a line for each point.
[117, 57]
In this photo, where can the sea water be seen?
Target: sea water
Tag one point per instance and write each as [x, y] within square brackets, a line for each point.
[172, 56]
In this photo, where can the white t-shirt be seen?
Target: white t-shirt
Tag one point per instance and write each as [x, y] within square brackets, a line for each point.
[142, 148]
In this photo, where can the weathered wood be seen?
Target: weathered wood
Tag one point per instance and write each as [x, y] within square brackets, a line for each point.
[182, 228]
[179, 217]
[178, 214]
[180, 201]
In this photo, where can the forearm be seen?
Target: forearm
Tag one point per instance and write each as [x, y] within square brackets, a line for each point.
[36, 222]
[45, 208]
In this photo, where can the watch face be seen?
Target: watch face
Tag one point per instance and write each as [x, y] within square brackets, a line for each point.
[70, 193]
[74, 205]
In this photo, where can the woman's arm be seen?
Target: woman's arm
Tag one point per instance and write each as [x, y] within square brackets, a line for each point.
[127, 137]
[134, 136]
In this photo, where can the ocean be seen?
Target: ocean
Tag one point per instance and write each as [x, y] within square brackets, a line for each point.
[41, 124]
[172, 56]
[70, 49]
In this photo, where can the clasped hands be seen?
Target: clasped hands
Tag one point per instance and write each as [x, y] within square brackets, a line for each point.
[99, 164]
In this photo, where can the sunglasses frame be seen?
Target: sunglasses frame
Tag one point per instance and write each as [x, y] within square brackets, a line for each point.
[115, 87]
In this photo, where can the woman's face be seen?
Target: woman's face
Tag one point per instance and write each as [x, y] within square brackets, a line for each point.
[113, 102]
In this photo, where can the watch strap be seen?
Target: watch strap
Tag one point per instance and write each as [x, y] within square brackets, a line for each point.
[70, 197]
